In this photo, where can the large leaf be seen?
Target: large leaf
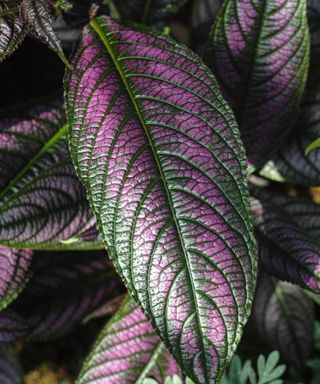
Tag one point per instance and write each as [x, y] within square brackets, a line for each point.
[12, 29]
[291, 163]
[259, 52]
[284, 319]
[154, 12]
[42, 203]
[286, 250]
[39, 20]
[159, 152]
[127, 351]
[14, 273]
[204, 13]
[64, 289]
[10, 369]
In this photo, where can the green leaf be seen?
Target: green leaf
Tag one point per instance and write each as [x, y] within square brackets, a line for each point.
[315, 144]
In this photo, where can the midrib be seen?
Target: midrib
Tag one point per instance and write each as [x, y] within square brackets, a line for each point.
[101, 34]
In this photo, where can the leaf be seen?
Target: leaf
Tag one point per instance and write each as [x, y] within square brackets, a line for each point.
[154, 12]
[14, 273]
[10, 369]
[37, 16]
[291, 163]
[259, 52]
[64, 289]
[127, 351]
[284, 319]
[238, 373]
[315, 144]
[286, 250]
[158, 151]
[42, 203]
[204, 13]
[12, 30]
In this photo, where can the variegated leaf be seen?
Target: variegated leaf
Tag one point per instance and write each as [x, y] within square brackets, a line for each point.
[14, 273]
[291, 163]
[12, 28]
[39, 20]
[127, 351]
[159, 152]
[283, 315]
[42, 203]
[259, 52]
[286, 250]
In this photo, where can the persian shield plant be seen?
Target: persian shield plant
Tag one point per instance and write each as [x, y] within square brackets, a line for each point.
[178, 150]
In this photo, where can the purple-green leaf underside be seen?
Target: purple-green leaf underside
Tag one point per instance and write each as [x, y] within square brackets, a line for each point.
[259, 52]
[127, 351]
[42, 203]
[39, 21]
[155, 12]
[14, 273]
[283, 315]
[65, 287]
[12, 30]
[10, 368]
[286, 249]
[159, 152]
[291, 163]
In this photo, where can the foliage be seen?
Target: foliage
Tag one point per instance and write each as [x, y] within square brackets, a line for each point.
[190, 164]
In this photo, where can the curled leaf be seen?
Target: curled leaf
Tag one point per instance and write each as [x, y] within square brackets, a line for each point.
[284, 319]
[14, 273]
[286, 250]
[127, 351]
[42, 203]
[158, 150]
[259, 52]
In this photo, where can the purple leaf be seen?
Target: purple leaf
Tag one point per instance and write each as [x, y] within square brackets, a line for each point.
[42, 203]
[64, 289]
[286, 250]
[158, 150]
[10, 369]
[283, 315]
[12, 29]
[155, 12]
[127, 351]
[259, 53]
[204, 13]
[38, 18]
[14, 273]
[291, 163]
